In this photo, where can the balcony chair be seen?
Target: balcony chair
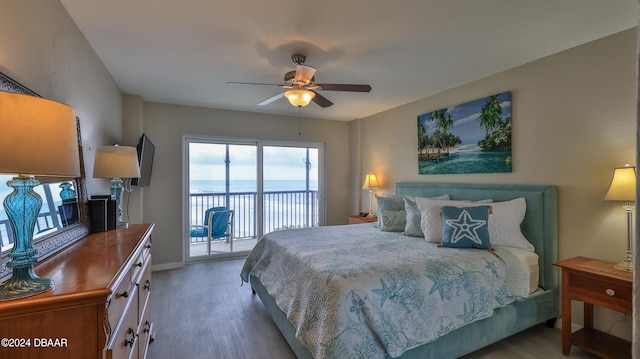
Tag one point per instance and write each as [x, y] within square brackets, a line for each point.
[218, 224]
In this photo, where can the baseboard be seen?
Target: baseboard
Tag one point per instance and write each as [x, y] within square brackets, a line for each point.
[166, 266]
[574, 327]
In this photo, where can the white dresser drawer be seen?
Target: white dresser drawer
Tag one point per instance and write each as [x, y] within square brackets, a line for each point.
[118, 301]
[141, 260]
[124, 338]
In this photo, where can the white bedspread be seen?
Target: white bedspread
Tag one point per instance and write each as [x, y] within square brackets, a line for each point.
[357, 292]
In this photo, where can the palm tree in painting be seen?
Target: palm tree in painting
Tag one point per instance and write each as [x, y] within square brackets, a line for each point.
[490, 115]
[497, 131]
[423, 137]
[501, 137]
[443, 120]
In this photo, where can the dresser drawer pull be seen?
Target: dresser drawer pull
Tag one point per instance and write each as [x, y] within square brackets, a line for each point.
[130, 342]
[147, 284]
[147, 326]
[148, 246]
[125, 294]
[610, 292]
[139, 264]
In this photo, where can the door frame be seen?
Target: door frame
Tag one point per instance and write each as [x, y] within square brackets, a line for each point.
[259, 143]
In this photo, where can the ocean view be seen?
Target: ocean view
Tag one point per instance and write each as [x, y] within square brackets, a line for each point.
[281, 209]
[217, 186]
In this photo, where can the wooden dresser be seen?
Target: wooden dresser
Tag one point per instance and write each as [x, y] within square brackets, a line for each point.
[99, 307]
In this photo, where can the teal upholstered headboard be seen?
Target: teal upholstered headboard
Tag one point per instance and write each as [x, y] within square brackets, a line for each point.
[540, 224]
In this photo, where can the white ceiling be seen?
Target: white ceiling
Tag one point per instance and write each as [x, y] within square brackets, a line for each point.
[184, 51]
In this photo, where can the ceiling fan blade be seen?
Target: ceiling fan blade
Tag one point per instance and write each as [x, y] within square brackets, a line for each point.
[304, 73]
[250, 83]
[321, 100]
[272, 99]
[345, 87]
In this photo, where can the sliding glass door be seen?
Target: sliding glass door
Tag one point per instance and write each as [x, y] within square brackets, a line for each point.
[264, 186]
[290, 185]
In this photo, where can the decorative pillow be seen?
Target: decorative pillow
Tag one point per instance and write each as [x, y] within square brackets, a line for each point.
[412, 227]
[414, 216]
[465, 227]
[504, 224]
[388, 203]
[392, 221]
[430, 218]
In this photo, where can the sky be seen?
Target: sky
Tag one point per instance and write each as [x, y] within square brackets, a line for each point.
[280, 163]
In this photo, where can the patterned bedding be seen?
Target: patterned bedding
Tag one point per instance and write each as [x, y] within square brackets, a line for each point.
[354, 291]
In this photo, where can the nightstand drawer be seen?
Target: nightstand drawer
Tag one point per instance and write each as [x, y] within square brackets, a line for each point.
[601, 289]
[361, 219]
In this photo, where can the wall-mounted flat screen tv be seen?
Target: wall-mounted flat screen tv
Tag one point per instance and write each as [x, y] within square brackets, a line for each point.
[145, 159]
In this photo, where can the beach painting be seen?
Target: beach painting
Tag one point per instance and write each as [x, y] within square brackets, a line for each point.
[474, 137]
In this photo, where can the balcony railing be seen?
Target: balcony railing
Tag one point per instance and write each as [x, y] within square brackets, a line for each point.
[282, 209]
[44, 223]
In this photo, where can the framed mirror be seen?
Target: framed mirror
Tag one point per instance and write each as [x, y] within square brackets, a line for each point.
[64, 216]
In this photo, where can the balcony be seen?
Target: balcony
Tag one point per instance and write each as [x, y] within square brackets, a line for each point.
[44, 224]
[282, 210]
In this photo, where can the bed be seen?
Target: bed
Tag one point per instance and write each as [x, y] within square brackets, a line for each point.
[351, 322]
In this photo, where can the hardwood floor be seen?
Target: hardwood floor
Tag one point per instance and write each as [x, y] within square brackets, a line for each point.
[202, 312]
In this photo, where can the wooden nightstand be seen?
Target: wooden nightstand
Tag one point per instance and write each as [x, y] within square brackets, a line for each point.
[594, 282]
[361, 219]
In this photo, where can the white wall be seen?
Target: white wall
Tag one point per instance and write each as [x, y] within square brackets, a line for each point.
[43, 50]
[166, 124]
[574, 120]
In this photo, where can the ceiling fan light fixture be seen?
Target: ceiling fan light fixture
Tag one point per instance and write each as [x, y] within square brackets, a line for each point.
[299, 98]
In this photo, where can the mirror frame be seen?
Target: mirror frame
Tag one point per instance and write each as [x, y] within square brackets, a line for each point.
[49, 244]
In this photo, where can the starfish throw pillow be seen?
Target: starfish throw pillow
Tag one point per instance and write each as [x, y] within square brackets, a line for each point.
[465, 227]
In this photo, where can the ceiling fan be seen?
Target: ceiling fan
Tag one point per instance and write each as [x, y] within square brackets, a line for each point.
[301, 88]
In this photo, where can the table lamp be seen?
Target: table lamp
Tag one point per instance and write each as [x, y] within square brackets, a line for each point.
[623, 188]
[38, 138]
[370, 183]
[116, 162]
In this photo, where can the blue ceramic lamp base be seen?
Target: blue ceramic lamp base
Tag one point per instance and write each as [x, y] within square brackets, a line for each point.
[116, 191]
[22, 207]
[24, 283]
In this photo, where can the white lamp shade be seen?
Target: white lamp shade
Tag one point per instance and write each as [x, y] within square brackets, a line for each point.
[37, 137]
[116, 162]
[299, 98]
[370, 182]
[623, 185]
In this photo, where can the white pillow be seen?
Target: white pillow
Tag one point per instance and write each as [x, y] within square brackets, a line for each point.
[504, 221]
[412, 226]
[430, 218]
[504, 224]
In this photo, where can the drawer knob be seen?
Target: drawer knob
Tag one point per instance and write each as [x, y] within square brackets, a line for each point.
[610, 292]
[139, 264]
[125, 294]
[147, 326]
[130, 342]
[147, 284]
